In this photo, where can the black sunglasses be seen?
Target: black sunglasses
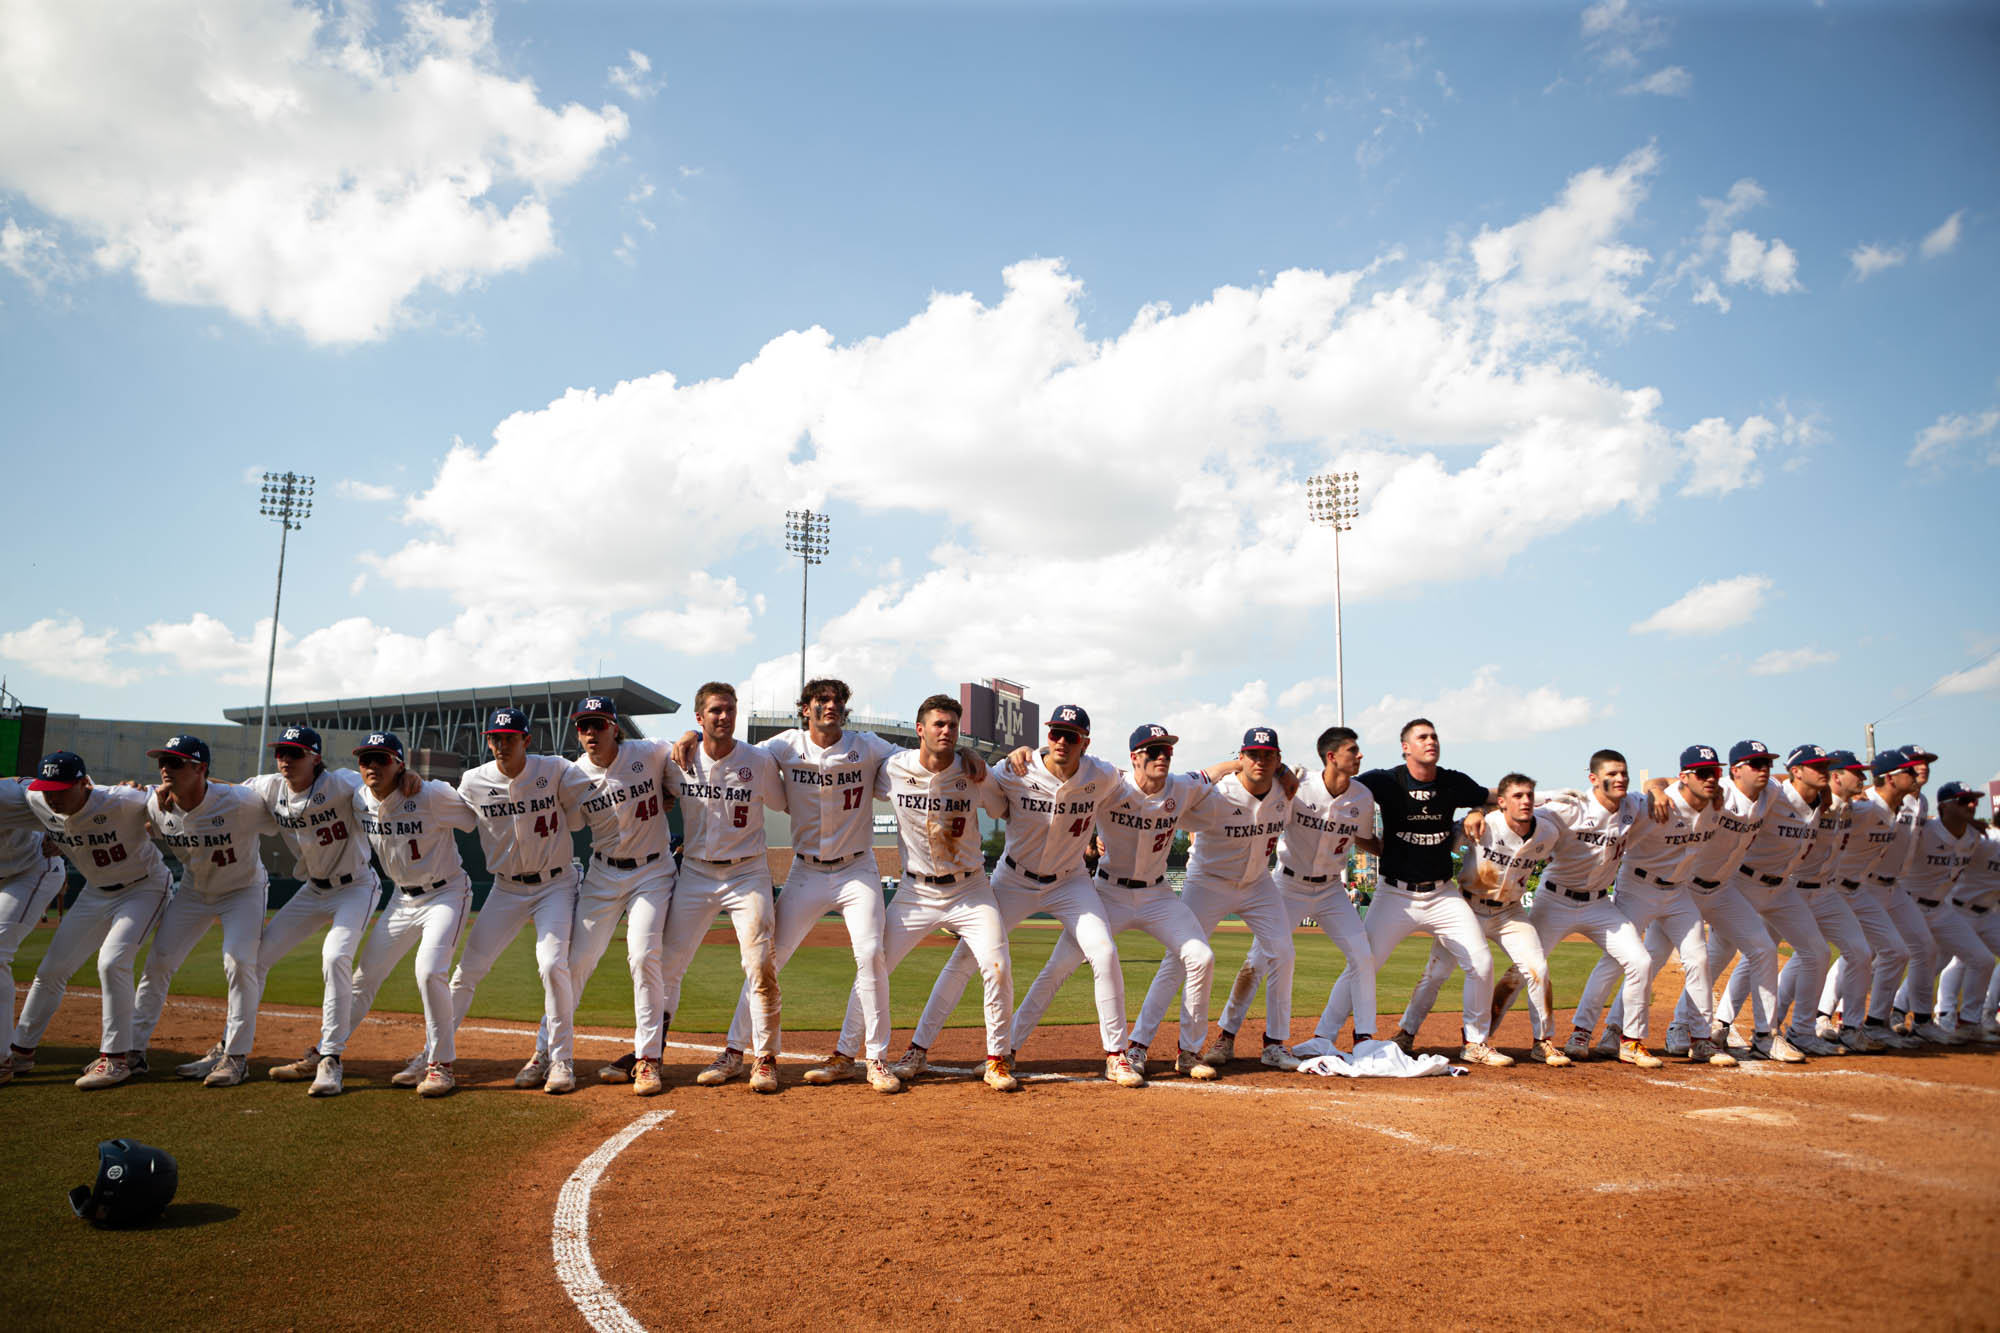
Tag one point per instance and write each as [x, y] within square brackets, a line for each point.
[172, 763]
[374, 758]
[290, 752]
[1159, 752]
[591, 724]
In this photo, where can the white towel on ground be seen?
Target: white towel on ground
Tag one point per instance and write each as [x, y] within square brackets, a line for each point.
[1371, 1059]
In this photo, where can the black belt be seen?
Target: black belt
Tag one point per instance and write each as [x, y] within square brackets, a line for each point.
[113, 888]
[417, 890]
[1927, 902]
[1420, 886]
[836, 861]
[535, 878]
[1582, 896]
[1771, 881]
[319, 883]
[1305, 879]
[1977, 911]
[1132, 883]
[1701, 883]
[625, 862]
[940, 880]
[1654, 880]
[1029, 874]
[1888, 883]
[719, 865]
[1809, 883]
[1850, 884]
[1479, 900]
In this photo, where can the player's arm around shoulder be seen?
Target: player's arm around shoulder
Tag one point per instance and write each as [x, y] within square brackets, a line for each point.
[447, 805]
[771, 783]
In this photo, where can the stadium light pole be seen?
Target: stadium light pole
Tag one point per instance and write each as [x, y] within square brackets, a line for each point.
[1333, 499]
[287, 501]
[806, 536]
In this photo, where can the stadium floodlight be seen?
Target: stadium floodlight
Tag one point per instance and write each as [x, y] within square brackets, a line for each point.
[807, 537]
[1333, 499]
[287, 500]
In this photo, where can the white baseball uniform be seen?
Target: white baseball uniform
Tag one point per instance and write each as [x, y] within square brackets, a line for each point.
[1969, 986]
[428, 907]
[1763, 875]
[1049, 821]
[30, 879]
[1137, 831]
[724, 869]
[1812, 877]
[831, 794]
[1735, 925]
[524, 830]
[124, 892]
[1931, 880]
[944, 884]
[1573, 897]
[1651, 892]
[223, 880]
[1872, 834]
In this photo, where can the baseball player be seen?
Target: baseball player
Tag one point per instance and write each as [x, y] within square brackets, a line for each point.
[1814, 880]
[30, 878]
[1874, 839]
[724, 869]
[1651, 891]
[1419, 801]
[1947, 844]
[1973, 982]
[103, 833]
[1332, 817]
[937, 803]
[1136, 833]
[411, 835]
[212, 830]
[1051, 810]
[1493, 878]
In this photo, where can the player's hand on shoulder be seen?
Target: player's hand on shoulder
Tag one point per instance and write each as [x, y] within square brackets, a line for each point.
[1018, 759]
[1474, 824]
[975, 767]
[1289, 781]
[412, 784]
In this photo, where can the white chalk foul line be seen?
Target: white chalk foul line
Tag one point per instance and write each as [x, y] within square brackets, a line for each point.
[570, 1236]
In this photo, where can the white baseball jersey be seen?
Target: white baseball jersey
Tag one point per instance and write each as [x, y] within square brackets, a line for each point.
[1049, 818]
[1585, 859]
[720, 820]
[1323, 828]
[1790, 826]
[1137, 830]
[937, 816]
[1235, 832]
[1830, 824]
[1735, 820]
[626, 805]
[1871, 835]
[525, 820]
[1979, 882]
[1913, 814]
[831, 789]
[1665, 851]
[20, 832]
[1497, 866]
[411, 835]
[1940, 859]
[106, 840]
[217, 840]
[319, 824]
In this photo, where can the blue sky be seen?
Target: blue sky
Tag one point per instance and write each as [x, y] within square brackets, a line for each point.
[1662, 337]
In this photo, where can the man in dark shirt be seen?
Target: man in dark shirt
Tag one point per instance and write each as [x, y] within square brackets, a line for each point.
[1419, 804]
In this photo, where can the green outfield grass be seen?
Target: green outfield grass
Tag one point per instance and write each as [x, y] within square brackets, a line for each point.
[817, 979]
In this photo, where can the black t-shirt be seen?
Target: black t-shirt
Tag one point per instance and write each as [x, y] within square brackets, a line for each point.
[1418, 819]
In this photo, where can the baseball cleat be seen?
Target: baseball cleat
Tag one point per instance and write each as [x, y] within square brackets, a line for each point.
[200, 1068]
[1774, 1047]
[1479, 1053]
[881, 1078]
[999, 1077]
[1222, 1049]
[104, 1072]
[326, 1082]
[1275, 1056]
[764, 1074]
[836, 1068]
[1727, 1037]
[1809, 1044]
[914, 1062]
[1117, 1069]
[619, 1070]
[562, 1077]
[1678, 1039]
[1988, 1028]
[228, 1072]
[137, 1063]
[1632, 1051]
[23, 1061]
[1826, 1029]
[1986, 1034]
[1505, 989]
[646, 1080]
[412, 1073]
[1191, 1064]
[1859, 1042]
[1900, 1020]
[1406, 1040]
[1135, 1055]
[1544, 1052]
[535, 1073]
[1891, 1038]
[1577, 1048]
[1937, 1036]
[721, 1069]
[438, 1081]
[1710, 1052]
[1609, 1044]
[299, 1070]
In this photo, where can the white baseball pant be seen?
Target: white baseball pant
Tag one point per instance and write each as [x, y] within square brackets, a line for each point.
[1915, 929]
[433, 922]
[1159, 913]
[1956, 939]
[23, 900]
[973, 915]
[1737, 927]
[1073, 901]
[114, 923]
[1887, 955]
[1601, 921]
[1443, 914]
[550, 906]
[1261, 906]
[854, 889]
[642, 895]
[706, 890]
[1509, 927]
[343, 909]
[1331, 910]
[186, 920]
[1786, 917]
[1668, 920]
[1797, 991]
[1963, 982]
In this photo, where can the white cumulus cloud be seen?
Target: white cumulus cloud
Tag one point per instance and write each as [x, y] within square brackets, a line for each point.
[633, 78]
[1784, 661]
[1672, 81]
[365, 491]
[65, 650]
[1723, 458]
[1944, 239]
[1868, 260]
[1709, 608]
[1973, 680]
[1941, 438]
[1771, 265]
[1484, 709]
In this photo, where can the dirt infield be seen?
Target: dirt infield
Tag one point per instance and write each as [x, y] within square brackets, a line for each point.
[1850, 1191]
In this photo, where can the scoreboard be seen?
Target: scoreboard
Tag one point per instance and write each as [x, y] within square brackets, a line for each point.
[1000, 712]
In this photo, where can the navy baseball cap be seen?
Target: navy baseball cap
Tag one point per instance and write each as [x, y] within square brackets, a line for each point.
[1744, 751]
[1959, 791]
[1805, 754]
[304, 737]
[1260, 738]
[507, 722]
[1152, 734]
[1889, 761]
[1700, 756]
[384, 742]
[192, 748]
[1068, 717]
[1918, 754]
[58, 772]
[1845, 759]
[595, 705]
